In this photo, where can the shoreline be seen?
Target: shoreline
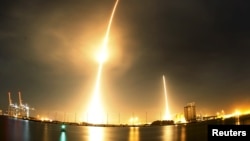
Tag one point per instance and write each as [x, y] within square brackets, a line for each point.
[243, 120]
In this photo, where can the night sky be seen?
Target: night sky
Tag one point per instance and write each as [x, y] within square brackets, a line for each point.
[47, 51]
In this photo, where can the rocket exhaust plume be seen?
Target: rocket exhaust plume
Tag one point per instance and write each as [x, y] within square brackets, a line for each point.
[167, 114]
[95, 111]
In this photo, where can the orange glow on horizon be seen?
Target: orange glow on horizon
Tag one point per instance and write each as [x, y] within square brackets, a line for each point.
[236, 113]
[134, 121]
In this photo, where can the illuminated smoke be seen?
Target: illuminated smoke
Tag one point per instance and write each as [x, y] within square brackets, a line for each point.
[95, 112]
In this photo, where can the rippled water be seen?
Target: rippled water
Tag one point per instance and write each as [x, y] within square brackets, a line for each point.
[24, 130]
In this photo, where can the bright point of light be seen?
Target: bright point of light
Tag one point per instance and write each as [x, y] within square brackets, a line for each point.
[46, 119]
[63, 126]
[134, 120]
[102, 56]
[237, 113]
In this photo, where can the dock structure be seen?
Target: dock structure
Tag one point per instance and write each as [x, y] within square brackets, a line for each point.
[18, 110]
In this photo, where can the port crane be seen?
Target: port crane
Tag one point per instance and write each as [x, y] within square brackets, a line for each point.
[21, 110]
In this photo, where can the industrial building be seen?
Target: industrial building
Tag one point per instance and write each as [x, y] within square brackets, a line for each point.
[190, 112]
[18, 110]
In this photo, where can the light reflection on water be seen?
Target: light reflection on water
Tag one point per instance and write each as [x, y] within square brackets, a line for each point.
[26, 131]
[14, 129]
[45, 133]
[134, 134]
[183, 133]
[16, 125]
[95, 133]
[168, 133]
[63, 136]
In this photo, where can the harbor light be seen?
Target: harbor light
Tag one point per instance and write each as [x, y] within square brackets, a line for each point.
[63, 128]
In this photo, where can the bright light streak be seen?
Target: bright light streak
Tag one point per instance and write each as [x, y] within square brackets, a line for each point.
[95, 133]
[95, 111]
[105, 43]
[134, 134]
[237, 113]
[167, 114]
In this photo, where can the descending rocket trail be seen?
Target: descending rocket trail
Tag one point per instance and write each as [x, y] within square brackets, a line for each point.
[167, 114]
[95, 111]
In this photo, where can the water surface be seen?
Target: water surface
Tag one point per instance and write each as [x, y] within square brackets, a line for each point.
[23, 130]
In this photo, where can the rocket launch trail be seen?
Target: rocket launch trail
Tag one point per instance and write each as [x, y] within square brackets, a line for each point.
[103, 51]
[167, 114]
[95, 111]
